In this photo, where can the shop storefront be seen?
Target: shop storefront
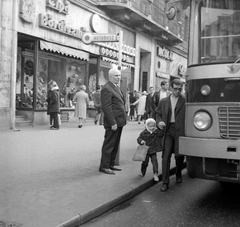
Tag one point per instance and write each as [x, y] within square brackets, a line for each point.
[109, 59]
[40, 61]
[50, 47]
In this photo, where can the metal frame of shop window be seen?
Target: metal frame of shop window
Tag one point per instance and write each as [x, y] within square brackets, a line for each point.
[36, 58]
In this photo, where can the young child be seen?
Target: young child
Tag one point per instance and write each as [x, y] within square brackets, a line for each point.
[151, 136]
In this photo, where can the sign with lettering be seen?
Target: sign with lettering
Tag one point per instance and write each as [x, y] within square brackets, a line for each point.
[88, 38]
[115, 47]
[47, 21]
[62, 6]
[164, 53]
[115, 55]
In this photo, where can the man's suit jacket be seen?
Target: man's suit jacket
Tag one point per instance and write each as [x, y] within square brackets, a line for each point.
[156, 98]
[164, 112]
[113, 105]
[149, 100]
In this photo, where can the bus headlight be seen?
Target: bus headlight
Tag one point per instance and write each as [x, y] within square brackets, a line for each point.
[202, 120]
[205, 90]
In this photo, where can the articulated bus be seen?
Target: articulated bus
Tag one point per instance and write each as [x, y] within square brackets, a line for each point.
[212, 138]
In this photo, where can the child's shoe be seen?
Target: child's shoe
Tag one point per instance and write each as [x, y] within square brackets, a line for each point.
[155, 177]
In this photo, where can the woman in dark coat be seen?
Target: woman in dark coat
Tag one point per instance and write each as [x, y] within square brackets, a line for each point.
[53, 101]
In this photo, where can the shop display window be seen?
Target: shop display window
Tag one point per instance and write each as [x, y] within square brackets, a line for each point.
[41, 84]
[126, 77]
[75, 76]
[24, 76]
[69, 74]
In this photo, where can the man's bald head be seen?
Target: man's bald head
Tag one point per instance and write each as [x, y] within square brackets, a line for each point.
[114, 76]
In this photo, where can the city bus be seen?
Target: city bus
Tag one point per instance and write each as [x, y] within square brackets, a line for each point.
[212, 137]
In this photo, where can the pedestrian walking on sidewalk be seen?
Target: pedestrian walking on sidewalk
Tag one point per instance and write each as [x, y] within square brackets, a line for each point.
[159, 95]
[141, 102]
[98, 105]
[150, 113]
[132, 99]
[82, 100]
[171, 118]
[113, 107]
[53, 100]
[152, 137]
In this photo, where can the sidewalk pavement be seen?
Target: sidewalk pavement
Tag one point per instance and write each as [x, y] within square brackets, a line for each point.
[50, 178]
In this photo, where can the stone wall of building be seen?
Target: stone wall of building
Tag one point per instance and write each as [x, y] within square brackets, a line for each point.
[7, 44]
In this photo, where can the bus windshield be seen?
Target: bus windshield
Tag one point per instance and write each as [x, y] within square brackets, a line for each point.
[220, 31]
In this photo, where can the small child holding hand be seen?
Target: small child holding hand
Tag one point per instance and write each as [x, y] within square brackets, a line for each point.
[152, 137]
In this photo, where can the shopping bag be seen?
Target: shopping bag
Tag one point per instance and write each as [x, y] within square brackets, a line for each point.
[140, 153]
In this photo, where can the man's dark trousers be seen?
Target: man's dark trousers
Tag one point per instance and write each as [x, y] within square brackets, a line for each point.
[110, 147]
[167, 153]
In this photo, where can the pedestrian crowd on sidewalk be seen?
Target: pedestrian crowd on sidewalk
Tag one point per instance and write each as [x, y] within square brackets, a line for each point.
[163, 113]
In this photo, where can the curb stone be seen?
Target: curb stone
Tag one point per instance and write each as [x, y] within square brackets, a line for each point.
[81, 219]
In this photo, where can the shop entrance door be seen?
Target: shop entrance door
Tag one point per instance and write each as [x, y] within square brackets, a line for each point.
[145, 62]
[144, 81]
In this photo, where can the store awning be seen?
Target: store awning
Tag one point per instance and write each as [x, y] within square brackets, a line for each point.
[116, 62]
[64, 50]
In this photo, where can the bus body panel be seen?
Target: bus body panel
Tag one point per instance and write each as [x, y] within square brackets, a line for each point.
[214, 61]
[212, 71]
[210, 148]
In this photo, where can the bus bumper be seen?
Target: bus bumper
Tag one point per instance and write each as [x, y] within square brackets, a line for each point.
[209, 148]
[212, 159]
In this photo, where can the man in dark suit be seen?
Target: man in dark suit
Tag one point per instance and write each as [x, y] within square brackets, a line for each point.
[171, 118]
[148, 106]
[159, 95]
[113, 107]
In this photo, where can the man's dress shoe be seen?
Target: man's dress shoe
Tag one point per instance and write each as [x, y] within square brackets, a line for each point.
[107, 171]
[164, 188]
[115, 168]
[179, 180]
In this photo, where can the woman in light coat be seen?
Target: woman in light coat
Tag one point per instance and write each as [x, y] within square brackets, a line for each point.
[141, 105]
[82, 100]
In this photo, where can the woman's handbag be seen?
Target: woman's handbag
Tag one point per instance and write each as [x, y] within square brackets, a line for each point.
[140, 153]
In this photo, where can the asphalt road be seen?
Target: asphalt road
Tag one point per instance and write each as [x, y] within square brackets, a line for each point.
[195, 202]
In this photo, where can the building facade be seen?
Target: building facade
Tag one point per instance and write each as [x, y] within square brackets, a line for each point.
[76, 42]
